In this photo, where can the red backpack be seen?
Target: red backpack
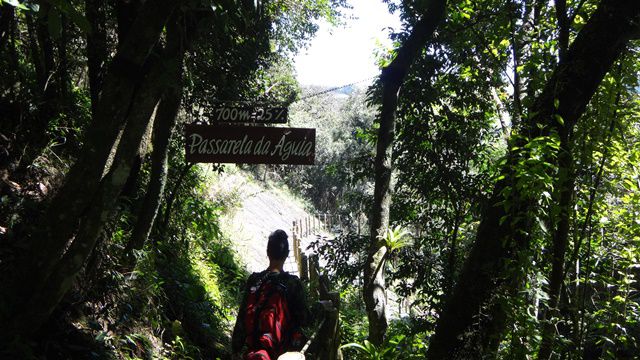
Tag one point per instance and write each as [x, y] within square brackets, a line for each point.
[267, 319]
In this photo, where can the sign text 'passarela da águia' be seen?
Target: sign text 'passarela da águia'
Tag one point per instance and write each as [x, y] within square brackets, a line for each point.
[250, 144]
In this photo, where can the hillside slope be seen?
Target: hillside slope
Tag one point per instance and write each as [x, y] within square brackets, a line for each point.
[262, 208]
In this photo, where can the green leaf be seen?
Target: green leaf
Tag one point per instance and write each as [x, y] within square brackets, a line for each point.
[556, 103]
[16, 4]
[354, 345]
[559, 119]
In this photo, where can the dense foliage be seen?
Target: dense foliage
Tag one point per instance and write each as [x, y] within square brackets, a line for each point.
[111, 243]
[462, 115]
[505, 132]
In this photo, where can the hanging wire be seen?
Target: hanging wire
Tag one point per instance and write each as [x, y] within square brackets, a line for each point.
[303, 98]
[333, 89]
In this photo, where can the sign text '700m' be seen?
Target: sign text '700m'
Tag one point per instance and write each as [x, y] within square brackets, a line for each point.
[253, 114]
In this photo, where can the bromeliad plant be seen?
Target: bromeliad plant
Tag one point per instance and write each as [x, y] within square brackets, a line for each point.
[395, 239]
[397, 347]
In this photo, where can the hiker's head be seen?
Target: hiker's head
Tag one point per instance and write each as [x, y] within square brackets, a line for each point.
[278, 245]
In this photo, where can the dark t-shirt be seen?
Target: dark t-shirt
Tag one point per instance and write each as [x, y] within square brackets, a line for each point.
[296, 301]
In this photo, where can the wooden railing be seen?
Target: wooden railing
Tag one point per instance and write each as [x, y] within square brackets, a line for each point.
[325, 342]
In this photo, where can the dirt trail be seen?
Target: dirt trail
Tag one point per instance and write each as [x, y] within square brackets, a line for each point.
[263, 209]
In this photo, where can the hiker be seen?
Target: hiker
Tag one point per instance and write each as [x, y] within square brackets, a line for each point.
[273, 309]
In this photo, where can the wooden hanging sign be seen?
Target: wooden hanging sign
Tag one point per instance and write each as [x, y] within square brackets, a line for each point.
[250, 144]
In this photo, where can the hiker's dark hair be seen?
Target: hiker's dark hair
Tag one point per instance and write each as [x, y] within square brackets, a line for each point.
[278, 246]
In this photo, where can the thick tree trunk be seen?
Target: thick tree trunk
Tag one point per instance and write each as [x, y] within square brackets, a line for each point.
[126, 11]
[565, 182]
[83, 179]
[162, 73]
[565, 185]
[392, 79]
[47, 274]
[498, 258]
[162, 128]
[563, 29]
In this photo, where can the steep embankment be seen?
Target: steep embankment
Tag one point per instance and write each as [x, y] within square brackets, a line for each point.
[262, 207]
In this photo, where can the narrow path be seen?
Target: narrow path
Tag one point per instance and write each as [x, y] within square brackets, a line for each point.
[263, 209]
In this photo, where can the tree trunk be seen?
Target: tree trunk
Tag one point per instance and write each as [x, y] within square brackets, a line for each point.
[162, 128]
[34, 50]
[497, 260]
[83, 179]
[451, 266]
[33, 137]
[392, 79]
[516, 49]
[126, 11]
[48, 85]
[97, 52]
[8, 26]
[162, 73]
[6, 22]
[565, 185]
[80, 196]
[64, 78]
[172, 197]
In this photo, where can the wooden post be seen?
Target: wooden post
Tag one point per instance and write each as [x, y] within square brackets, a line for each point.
[325, 343]
[299, 258]
[329, 332]
[334, 325]
[313, 273]
[295, 248]
[304, 265]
